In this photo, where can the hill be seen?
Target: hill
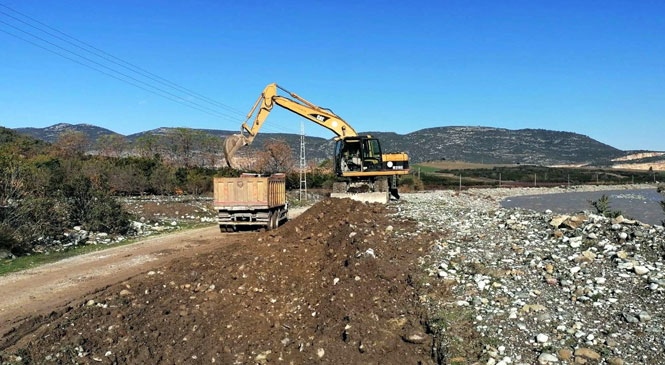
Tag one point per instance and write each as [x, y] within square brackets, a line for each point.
[52, 133]
[472, 144]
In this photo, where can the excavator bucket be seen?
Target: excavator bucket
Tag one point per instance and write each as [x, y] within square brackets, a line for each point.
[231, 145]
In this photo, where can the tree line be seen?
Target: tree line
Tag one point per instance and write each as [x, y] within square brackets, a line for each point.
[47, 189]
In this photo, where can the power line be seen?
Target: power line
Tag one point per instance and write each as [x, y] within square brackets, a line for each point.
[113, 59]
[114, 72]
[109, 74]
[172, 97]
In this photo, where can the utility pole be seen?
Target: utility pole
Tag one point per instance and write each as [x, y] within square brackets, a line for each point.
[303, 164]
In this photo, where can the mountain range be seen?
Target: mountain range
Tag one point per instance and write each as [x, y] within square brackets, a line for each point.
[464, 143]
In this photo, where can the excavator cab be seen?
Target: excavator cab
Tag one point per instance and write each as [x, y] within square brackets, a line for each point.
[357, 154]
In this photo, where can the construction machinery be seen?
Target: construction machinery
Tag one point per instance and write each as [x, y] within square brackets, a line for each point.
[362, 170]
[251, 200]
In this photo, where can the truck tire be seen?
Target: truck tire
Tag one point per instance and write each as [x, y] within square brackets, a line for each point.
[274, 219]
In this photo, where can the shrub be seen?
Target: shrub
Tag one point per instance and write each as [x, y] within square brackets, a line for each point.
[7, 240]
[106, 214]
[602, 206]
[411, 183]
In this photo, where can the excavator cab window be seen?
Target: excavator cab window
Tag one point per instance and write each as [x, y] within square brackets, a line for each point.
[371, 154]
[348, 155]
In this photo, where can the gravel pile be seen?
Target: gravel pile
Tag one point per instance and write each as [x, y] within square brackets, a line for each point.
[547, 288]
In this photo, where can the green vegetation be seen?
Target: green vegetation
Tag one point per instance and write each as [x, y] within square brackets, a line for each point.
[47, 190]
[602, 207]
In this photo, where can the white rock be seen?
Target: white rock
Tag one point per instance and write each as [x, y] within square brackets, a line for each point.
[641, 270]
[546, 358]
[542, 338]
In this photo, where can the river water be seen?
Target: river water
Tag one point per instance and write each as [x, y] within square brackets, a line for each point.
[641, 204]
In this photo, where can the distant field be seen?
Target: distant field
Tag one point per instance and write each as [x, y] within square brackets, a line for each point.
[433, 166]
[459, 173]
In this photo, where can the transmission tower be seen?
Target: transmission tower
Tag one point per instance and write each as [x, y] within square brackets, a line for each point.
[303, 163]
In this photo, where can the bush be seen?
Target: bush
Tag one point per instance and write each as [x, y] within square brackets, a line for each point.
[411, 183]
[95, 209]
[602, 206]
[7, 240]
[106, 214]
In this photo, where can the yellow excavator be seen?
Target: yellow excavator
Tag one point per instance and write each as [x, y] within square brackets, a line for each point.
[362, 170]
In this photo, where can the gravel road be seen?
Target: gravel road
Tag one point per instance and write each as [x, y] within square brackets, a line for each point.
[544, 287]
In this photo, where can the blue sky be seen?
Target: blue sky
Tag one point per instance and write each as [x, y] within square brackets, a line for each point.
[591, 67]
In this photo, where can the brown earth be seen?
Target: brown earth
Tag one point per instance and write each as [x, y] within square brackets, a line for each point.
[340, 284]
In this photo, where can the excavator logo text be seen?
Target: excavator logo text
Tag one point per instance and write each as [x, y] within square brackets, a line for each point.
[319, 117]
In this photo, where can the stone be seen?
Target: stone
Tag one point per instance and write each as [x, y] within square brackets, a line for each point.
[587, 353]
[565, 354]
[546, 358]
[630, 318]
[542, 338]
[415, 338]
[615, 361]
[575, 242]
[641, 270]
[532, 308]
[644, 316]
[558, 220]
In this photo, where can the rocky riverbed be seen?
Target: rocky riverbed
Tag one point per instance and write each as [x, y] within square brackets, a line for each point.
[541, 287]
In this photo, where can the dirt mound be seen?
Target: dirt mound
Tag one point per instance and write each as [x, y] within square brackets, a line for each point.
[336, 285]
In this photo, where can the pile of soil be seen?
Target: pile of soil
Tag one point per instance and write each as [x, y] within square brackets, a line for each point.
[336, 285]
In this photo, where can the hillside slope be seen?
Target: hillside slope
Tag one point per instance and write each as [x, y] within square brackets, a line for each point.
[472, 144]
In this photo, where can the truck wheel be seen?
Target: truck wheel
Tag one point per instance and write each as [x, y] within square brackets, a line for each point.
[271, 216]
[274, 219]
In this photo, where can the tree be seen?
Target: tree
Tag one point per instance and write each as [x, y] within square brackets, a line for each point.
[111, 145]
[211, 149]
[71, 144]
[183, 143]
[276, 156]
[147, 146]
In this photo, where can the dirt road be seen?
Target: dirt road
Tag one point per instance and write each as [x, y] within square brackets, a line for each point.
[45, 288]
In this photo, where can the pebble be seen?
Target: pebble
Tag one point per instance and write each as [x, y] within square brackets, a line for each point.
[547, 358]
[525, 278]
[641, 270]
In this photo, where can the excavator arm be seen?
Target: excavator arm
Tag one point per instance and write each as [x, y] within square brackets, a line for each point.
[264, 105]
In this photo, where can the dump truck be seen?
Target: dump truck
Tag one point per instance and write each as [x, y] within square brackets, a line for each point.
[251, 201]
